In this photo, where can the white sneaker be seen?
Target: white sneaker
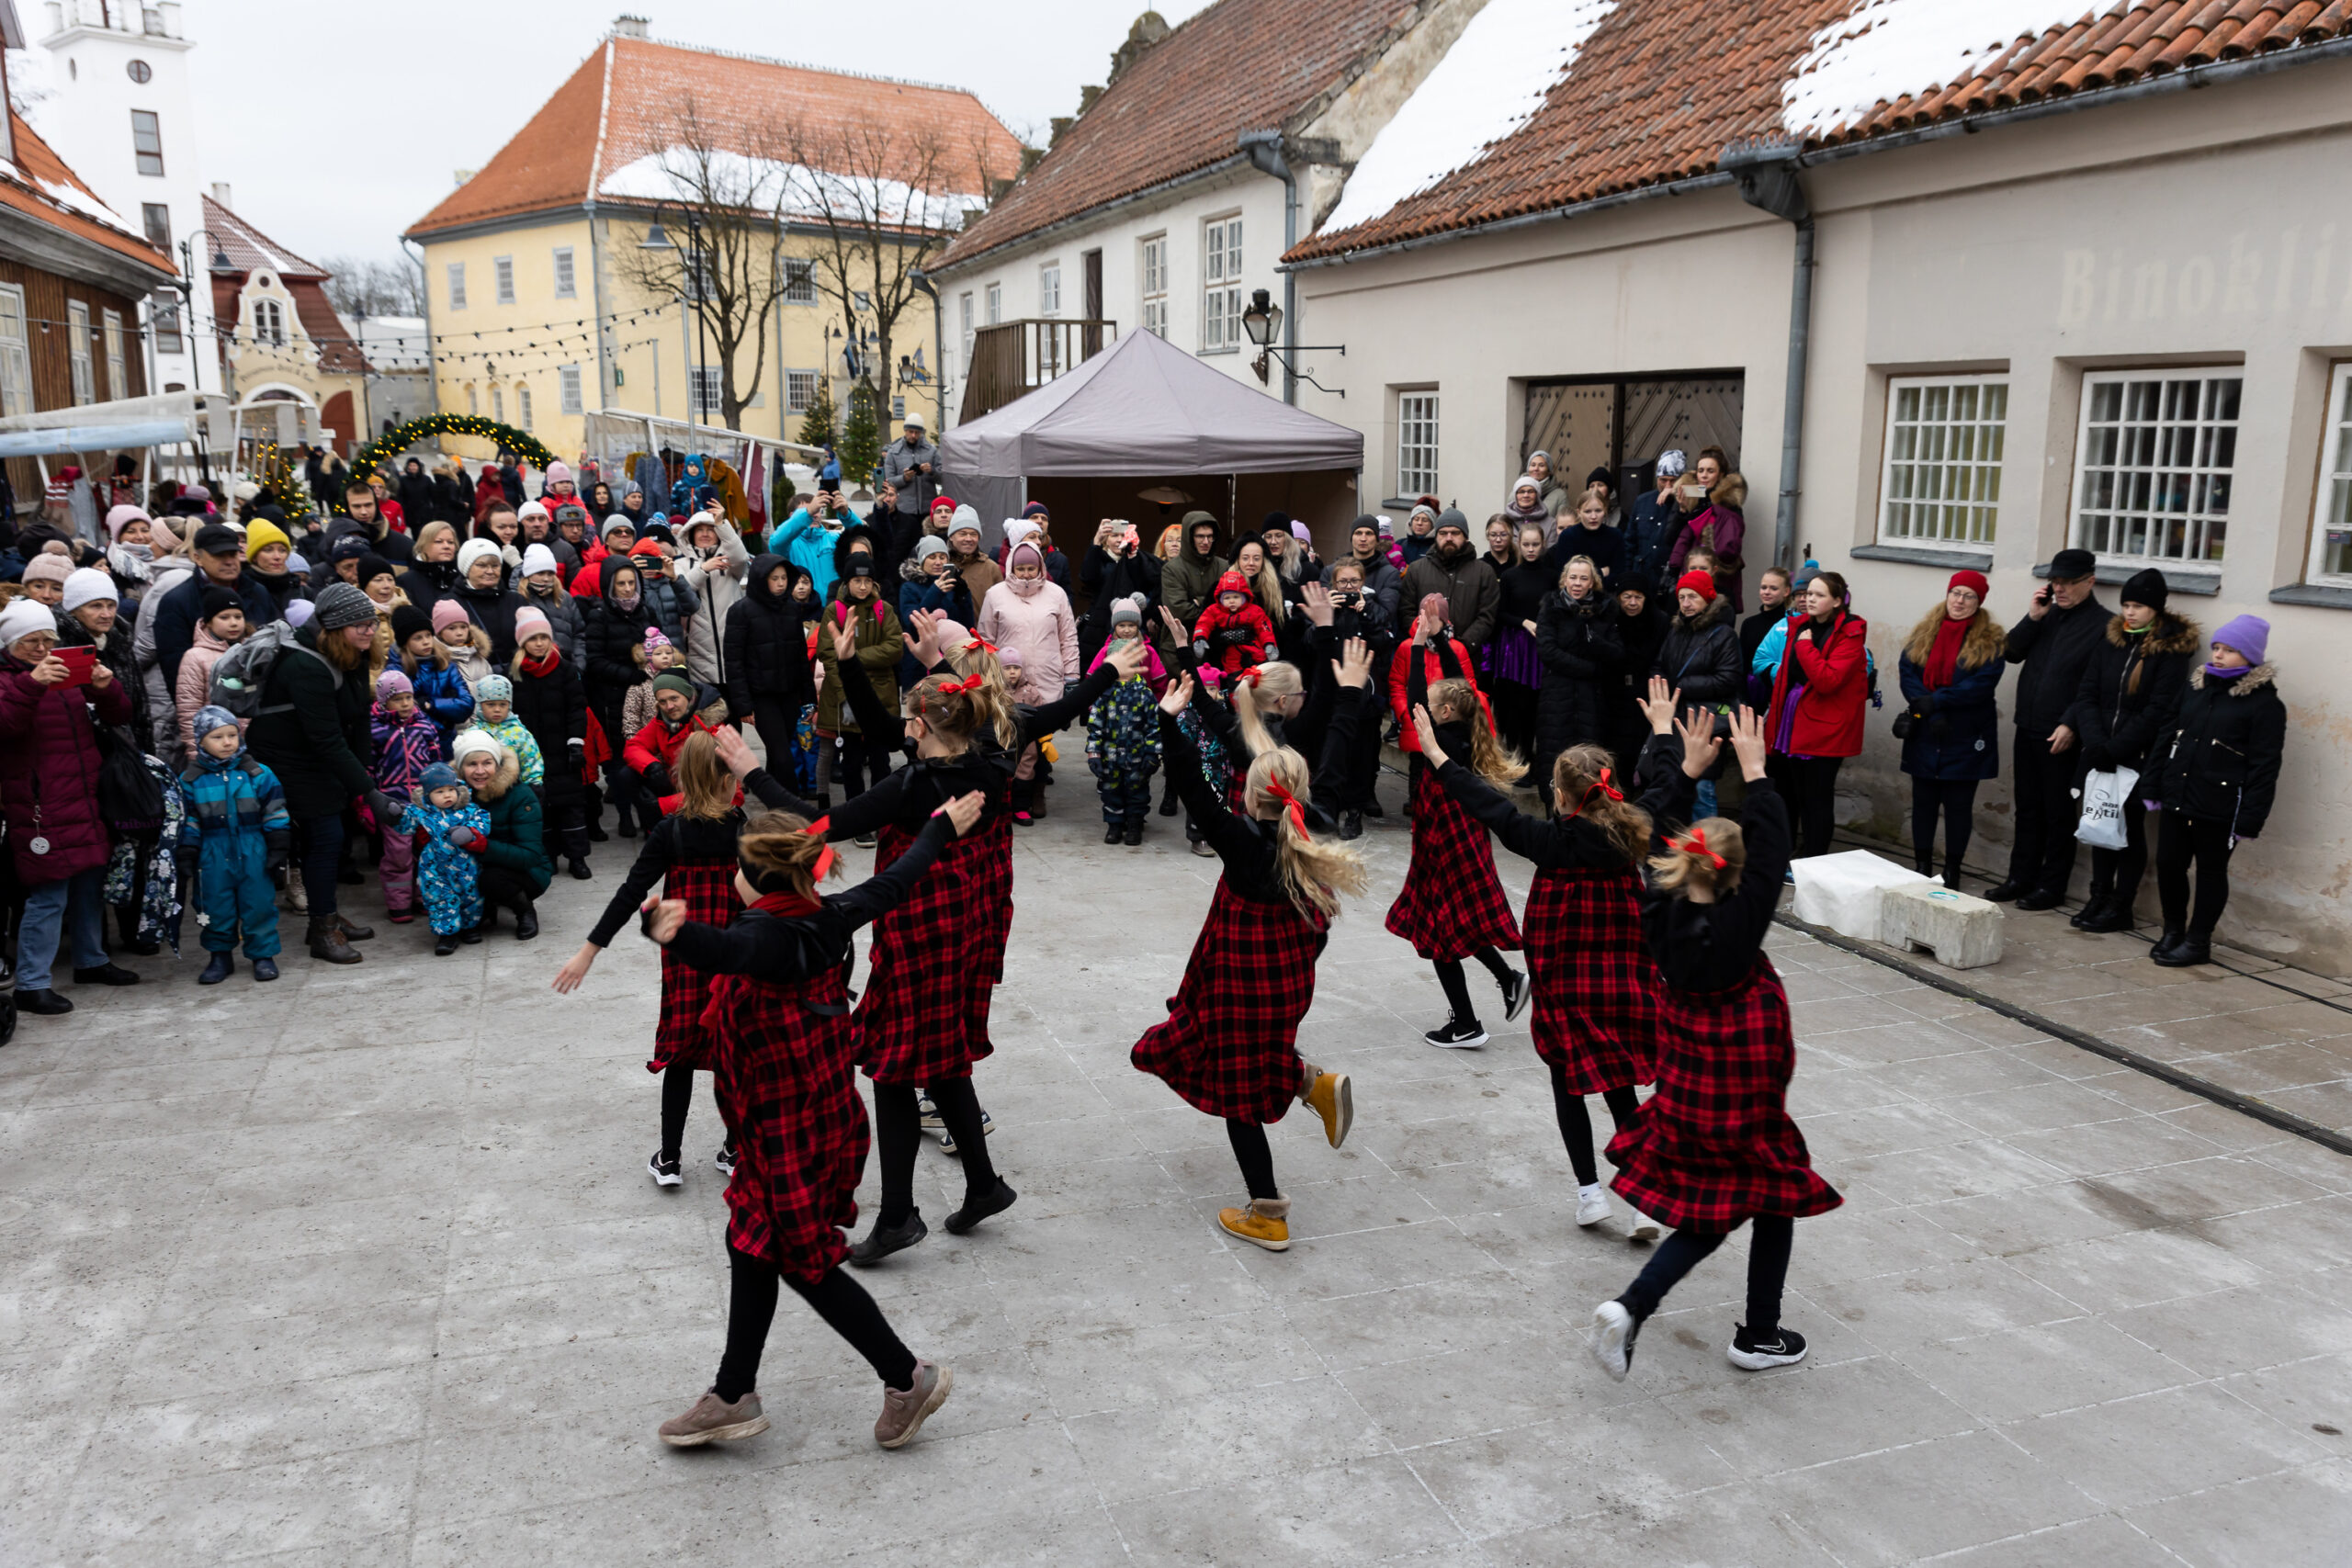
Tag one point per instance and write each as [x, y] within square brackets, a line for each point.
[1592, 1204]
[1613, 1330]
[1645, 1228]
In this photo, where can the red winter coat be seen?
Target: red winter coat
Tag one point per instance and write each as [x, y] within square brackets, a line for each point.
[1827, 718]
[49, 772]
[1400, 701]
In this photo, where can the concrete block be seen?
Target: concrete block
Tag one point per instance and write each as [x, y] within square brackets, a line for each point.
[1842, 891]
[1963, 933]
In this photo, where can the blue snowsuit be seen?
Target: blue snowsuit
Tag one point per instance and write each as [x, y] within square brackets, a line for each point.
[236, 821]
[449, 877]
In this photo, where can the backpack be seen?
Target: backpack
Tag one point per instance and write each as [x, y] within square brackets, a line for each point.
[243, 672]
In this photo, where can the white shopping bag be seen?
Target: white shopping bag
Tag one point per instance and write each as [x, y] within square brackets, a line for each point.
[2106, 797]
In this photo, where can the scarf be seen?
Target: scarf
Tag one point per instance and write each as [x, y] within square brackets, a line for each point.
[628, 601]
[785, 906]
[1943, 659]
[539, 668]
[2217, 672]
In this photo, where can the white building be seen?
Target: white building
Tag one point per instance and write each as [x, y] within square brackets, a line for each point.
[118, 107]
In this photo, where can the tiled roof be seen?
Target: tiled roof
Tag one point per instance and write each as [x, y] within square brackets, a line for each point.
[744, 105]
[1662, 86]
[250, 250]
[39, 185]
[1239, 65]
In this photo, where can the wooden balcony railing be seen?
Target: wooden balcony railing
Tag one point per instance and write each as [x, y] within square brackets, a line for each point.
[1013, 357]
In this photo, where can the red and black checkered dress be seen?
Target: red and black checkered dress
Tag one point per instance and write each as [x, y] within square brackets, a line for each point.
[1596, 984]
[1715, 1146]
[790, 1094]
[996, 896]
[924, 1013]
[680, 1039]
[1229, 1045]
[1452, 904]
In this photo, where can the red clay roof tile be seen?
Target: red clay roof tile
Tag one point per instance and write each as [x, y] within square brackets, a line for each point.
[31, 189]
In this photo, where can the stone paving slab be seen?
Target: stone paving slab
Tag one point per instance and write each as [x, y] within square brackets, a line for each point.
[363, 1267]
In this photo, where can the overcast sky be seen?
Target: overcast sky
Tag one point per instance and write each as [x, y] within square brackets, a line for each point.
[339, 125]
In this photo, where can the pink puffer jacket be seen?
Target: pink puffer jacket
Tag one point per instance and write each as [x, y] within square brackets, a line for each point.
[1034, 618]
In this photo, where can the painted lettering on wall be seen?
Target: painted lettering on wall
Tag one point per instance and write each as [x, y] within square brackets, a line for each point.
[2250, 275]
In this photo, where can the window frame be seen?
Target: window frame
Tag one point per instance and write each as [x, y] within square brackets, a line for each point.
[498, 404]
[1049, 287]
[456, 283]
[154, 131]
[567, 275]
[149, 212]
[996, 304]
[2336, 433]
[568, 396]
[16, 352]
[81, 364]
[706, 386]
[164, 315]
[1982, 382]
[964, 306]
[1151, 281]
[1221, 268]
[269, 330]
[502, 280]
[118, 363]
[522, 405]
[800, 389]
[799, 281]
[2077, 532]
[1422, 481]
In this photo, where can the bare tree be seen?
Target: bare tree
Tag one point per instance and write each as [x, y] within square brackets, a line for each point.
[359, 287]
[736, 199]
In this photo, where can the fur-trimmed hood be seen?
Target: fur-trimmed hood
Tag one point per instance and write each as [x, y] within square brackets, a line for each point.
[1730, 491]
[2168, 634]
[2254, 679]
[1717, 613]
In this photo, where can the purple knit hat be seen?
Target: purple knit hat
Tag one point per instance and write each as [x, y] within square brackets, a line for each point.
[2250, 635]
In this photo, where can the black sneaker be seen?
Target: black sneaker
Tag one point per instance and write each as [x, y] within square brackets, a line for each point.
[1614, 1330]
[1352, 825]
[1168, 804]
[975, 1210]
[725, 1159]
[1457, 1035]
[663, 1169]
[1517, 994]
[947, 1139]
[580, 867]
[1755, 1353]
[43, 1003]
[445, 944]
[880, 1243]
[1134, 834]
[105, 974]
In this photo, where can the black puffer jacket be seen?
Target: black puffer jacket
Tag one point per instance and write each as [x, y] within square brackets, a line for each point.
[609, 666]
[766, 647]
[554, 708]
[1701, 657]
[427, 582]
[2130, 690]
[1111, 577]
[2052, 651]
[1583, 677]
[2219, 762]
[312, 728]
[492, 609]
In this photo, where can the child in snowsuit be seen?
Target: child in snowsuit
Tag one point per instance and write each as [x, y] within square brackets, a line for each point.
[1234, 633]
[446, 825]
[1123, 731]
[233, 835]
[494, 716]
[403, 742]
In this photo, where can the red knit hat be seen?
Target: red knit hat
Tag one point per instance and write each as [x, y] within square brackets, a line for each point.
[1233, 582]
[1702, 583]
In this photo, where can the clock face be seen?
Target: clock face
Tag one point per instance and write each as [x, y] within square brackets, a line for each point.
[140, 72]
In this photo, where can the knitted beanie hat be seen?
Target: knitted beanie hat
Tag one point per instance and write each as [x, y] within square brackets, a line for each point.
[407, 621]
[1702, 583]
[339, 604]
[447, 612]
[48, 567]
[393, 684]
[440, 775]
[88, 585]
[209, 717]
[529, 621]
[493, 689]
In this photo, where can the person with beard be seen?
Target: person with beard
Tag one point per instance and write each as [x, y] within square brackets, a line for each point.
[1454, 568]
[433, 574]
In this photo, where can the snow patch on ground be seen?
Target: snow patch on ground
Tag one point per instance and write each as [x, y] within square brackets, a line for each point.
[1886, 49]
[1488, 84]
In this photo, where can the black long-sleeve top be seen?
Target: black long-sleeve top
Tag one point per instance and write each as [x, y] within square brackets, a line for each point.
[1711, 947]
[1453, 735]
[786, 949]
[1574, 844]
[679, 837]
[1245, 844]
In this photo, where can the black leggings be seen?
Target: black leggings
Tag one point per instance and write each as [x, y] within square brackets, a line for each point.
[898, 1130]
[1810, 783]
[1768, 1269]
[1576, 1122]
[841, 1301]
[505, 889]
[2182, 840]
[2117, 872]
[1457, 990]
[677, 1096]
[1250, 1147]
[1956, 799]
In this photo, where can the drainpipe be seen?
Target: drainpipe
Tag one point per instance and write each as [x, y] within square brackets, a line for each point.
[922, 280]
[1766, 172]
[1264, 148]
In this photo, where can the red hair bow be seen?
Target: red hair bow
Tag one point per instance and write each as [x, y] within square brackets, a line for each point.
[1249, 676]
[1291, 807]
[1695, 843]
[971, 682]
[825, 856]
[978, 642]
[1602, 787]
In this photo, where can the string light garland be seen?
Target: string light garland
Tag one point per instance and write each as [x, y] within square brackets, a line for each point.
[522, 443]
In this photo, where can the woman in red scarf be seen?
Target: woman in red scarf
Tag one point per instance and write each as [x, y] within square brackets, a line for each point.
[1951, 668]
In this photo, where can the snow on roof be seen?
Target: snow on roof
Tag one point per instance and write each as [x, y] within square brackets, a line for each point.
[761, 184]
[1488, 84]
[1887, 49]
[75, 199]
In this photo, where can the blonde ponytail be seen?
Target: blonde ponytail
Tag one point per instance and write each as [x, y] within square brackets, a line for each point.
[1691, 857]
[994, 698]
[1272, 683]
[1456, 700]
[1315, 874]
[1584, 777]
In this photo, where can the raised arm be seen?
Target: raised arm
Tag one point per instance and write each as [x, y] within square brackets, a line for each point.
[652, 864]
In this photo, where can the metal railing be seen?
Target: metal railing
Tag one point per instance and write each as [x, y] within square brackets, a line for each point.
[1015, 358]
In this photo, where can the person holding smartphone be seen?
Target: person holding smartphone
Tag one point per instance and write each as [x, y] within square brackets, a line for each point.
[1115, 566]
[2052, 647]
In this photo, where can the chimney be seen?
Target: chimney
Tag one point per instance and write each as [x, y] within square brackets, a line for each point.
[221, 195]
[627, 26]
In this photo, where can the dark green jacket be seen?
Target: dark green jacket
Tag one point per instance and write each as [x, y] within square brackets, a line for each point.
[515, 841]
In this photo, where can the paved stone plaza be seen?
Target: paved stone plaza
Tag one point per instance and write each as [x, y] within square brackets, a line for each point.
[363, 1267]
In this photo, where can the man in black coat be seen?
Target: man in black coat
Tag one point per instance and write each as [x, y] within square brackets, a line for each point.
[220, 560]
[2052, 647]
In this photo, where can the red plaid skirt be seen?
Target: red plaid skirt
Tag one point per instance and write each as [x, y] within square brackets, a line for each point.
[1229, 1045]
[680, 1039]
[1596, 984]
[1452, 904]
[1715, 1146]
[801, 1130]
[924, 1013]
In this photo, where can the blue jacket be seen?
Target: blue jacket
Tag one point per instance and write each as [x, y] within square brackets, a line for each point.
[1958, 737]
[810, 547]
[1649, 537]
[922, 593]
[441, 691]
[235, 806]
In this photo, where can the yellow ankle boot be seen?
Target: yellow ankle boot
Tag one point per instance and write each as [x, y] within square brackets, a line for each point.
[1328, 1095]
[1265, 1222]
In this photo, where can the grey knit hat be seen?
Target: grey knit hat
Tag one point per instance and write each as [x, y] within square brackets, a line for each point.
[339, 604]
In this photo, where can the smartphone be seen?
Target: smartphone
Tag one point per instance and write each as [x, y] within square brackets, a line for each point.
[1694, 491]
[79, 660]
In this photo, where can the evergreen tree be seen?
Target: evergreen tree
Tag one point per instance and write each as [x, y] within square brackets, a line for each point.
[861, 443]
[816, 424]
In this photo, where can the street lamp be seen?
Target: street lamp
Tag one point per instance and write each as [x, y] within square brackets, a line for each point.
[1263, 322]
[1263, 319]
[658, 238]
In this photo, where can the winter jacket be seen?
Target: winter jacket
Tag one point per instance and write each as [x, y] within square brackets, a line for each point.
[673, 605]
[1384, 588]
[1473, 593]
[233, 802]
[609, 666]
[658, 745]
[1187, 586]
[2219, 760]
[1434, 668]
[554, 708]
[516, 737]
[163, 708]
[1822, 688]
[115, 653]
[470, 661]
[1604, 546]
[182, 608]
[2054, 651]
[1109, 577]
[807, 545]
[194, 687]
[878, 652]
[567, 621]
[1656, 527]
[1643, 637]
[312, 729]
[1722, 525]
[1035, 618]
[398, 750]
[492, 610]
[49, 771]
[2131, 689]
[419, 502]
[281, 588]
[919, 589]
[1236, 639]
[1583, 680]
[442, 693]
[1957, 732]
[427, 582]
[515, 824]
[1700, 655]
[767, 648]
[717, 582]
[915, 495]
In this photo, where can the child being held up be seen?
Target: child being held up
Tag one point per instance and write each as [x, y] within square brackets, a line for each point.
[450, 831]
[402, 741]
[1234, 633]
[659, 654]
[1123, 730]
[494, 715]
[233, 836]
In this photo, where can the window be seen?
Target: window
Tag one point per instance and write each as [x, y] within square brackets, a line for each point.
[473, 403]
[164, 310]
[898, 406]
[156, 217]
[117, 374]
[16, 363]
[1154, 261]
[456, 286]
[964, 310]
[503, 270]
[77, 349]
[2332, 525]
[147, 141]
[498, 404]
[522, 407]
[568, 378]
[799, 390]
[1050, 289]
[996, 303]
[2152, 464]
[1415, 443]
[269, 322]
[1221, 282]
[799, 282]
[564, 287]
[1942, 483]
[708, 399]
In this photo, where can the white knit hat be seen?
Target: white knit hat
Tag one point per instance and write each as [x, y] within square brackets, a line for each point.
[87, 585]
[473, 551]
[536, 559]
[22, 618]
[465, 742]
